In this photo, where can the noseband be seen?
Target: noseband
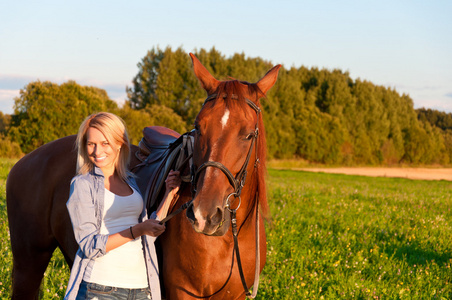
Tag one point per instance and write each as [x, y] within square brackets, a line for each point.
[238, 181]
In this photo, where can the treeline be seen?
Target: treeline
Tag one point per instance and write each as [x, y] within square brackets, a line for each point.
[435, 118]
[319, 115]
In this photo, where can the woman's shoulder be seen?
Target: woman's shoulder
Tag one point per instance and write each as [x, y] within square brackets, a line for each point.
[83, 180]
[82, 177]
[80, 189]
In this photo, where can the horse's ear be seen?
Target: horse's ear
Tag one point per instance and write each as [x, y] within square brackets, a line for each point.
[208, 82]
[266, 82]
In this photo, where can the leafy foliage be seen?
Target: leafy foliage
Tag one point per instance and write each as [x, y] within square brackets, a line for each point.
[8, 148]
[435, 118]
[46, 111]
[152, 115]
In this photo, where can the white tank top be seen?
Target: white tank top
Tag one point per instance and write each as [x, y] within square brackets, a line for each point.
[123, 267]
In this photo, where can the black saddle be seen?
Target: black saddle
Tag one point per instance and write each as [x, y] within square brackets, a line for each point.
[161, 150]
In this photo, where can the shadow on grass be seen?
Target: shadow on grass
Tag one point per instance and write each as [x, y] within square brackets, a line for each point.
[416, 254]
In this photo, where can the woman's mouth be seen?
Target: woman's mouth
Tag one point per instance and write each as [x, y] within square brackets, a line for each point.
[99, 159]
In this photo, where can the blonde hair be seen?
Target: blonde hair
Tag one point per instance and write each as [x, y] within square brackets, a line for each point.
[114, 130]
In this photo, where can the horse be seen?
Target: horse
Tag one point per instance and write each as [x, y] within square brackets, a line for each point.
[203, 250]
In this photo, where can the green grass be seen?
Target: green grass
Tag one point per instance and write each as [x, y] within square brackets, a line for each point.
[352, 237]
[5, 247]
[329, 237]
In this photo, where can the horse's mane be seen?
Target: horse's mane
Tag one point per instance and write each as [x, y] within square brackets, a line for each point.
[233, 93]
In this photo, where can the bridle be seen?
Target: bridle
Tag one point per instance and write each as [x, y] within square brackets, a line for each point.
[237, 182]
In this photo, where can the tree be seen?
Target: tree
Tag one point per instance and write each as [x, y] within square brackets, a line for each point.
[152, 115]
[164, 116]
[8, 148]
[5, 121]
[435, 118]
[177, 86]
[145, 82]
[136, 121]
[46, 111]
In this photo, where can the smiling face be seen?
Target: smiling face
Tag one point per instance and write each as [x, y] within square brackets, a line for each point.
[101, 152]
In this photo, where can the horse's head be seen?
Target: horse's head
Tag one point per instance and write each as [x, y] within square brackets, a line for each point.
[229, 141]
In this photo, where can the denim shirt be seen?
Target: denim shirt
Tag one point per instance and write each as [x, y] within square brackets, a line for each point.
[85, 206]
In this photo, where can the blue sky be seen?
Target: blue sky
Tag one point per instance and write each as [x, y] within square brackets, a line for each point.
[405, 45]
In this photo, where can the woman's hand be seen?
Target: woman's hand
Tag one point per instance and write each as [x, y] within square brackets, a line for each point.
[150, 227]
[173, 182]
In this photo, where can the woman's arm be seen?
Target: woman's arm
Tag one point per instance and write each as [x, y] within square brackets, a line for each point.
[149, 227]
[82, 211]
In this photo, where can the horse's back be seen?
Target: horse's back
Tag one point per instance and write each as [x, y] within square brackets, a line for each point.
[46, 170]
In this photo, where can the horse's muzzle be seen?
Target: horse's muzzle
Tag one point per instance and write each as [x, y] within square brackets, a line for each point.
[214, 224]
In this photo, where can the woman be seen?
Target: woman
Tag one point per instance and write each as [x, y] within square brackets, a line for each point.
[109, 217]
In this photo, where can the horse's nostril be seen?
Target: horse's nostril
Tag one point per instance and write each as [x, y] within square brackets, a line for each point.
[217, 218]
[190, 214]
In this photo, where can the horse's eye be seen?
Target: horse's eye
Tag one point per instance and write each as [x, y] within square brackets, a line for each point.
[250, 136]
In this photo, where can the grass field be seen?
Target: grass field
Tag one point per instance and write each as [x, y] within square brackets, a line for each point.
[351, 237]
[329, 237]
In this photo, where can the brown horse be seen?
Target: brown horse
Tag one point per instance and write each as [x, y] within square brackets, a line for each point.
[227, 187]
[229, 136]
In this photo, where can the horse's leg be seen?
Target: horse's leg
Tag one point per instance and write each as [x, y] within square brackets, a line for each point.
[32, 242]
[28, 271]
